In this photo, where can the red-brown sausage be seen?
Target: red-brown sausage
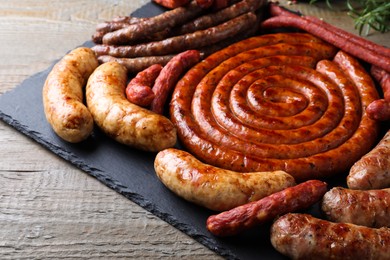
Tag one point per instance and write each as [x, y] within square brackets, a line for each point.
[252, 214]
[168, 77]
[372, 171]
[326, 32]
[380, 109]
[139, 90]
[204, 103]
[369, 208]
[302, 236]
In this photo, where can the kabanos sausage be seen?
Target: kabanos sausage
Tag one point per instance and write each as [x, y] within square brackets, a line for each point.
[154, 24]
[139, 90]
[369, 208]
[302, 236]
[120, 119]
[181, 43]
[63, 95]
[212, 187]
[372, 171]
[168, 77]
[255, 213]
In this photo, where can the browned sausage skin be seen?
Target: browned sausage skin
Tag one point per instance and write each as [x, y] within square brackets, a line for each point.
[255, 213]
[215, 188]
[63, 95]
[369, 208]
[372, 171]
[302, 236]
[205, 130]
[123, 121]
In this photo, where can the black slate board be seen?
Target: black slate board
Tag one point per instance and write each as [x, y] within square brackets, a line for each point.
[127, 171]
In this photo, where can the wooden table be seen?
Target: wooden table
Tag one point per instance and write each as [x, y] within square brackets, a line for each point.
[49, 208]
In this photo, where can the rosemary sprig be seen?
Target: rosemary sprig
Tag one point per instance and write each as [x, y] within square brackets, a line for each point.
[367, 14]
[373, 14]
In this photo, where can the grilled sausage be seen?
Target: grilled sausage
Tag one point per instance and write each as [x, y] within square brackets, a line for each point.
[139, 90]
[135, 65]
[181, 43]
[63, 95]
[212, 187]
[225, 112]
[157, 23]
[120, 119]
[369, 208]
[170, 74]
[302, 236]
[255, 213]
[372, 171]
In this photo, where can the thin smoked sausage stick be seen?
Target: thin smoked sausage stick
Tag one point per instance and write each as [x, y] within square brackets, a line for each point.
[326, 32]
[157, 23]
[181, 43]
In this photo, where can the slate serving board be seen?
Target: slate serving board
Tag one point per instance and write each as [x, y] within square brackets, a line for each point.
[128, 171]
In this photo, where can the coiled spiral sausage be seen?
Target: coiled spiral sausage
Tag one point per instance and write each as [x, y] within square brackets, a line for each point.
[262, 105]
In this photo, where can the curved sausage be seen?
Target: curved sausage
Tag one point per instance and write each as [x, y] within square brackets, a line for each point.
[226, 108]
[120, 119]
[302, 236]
[249, 215]
[63, 95]
[212, 187]
[139, 90]
[369, 208]
[169, 75]
[372, 171]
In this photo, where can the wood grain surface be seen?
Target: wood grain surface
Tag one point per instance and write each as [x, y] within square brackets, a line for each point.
[48, 208]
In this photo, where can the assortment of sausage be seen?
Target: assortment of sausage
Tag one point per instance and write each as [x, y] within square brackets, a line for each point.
[262, 117]
[139, 42]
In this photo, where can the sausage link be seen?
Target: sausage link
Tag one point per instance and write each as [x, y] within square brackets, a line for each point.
[302, 236]
[154, 24]
[379, 110]
[215, 188]
[214, 125]
[214, 18]
[369, 208]
[170, 74]
[139, 90]
[63, 95]
[135, 65]
[372, 171]
[383, 78]
[252, 214]
[120, 119]
[181, 43]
